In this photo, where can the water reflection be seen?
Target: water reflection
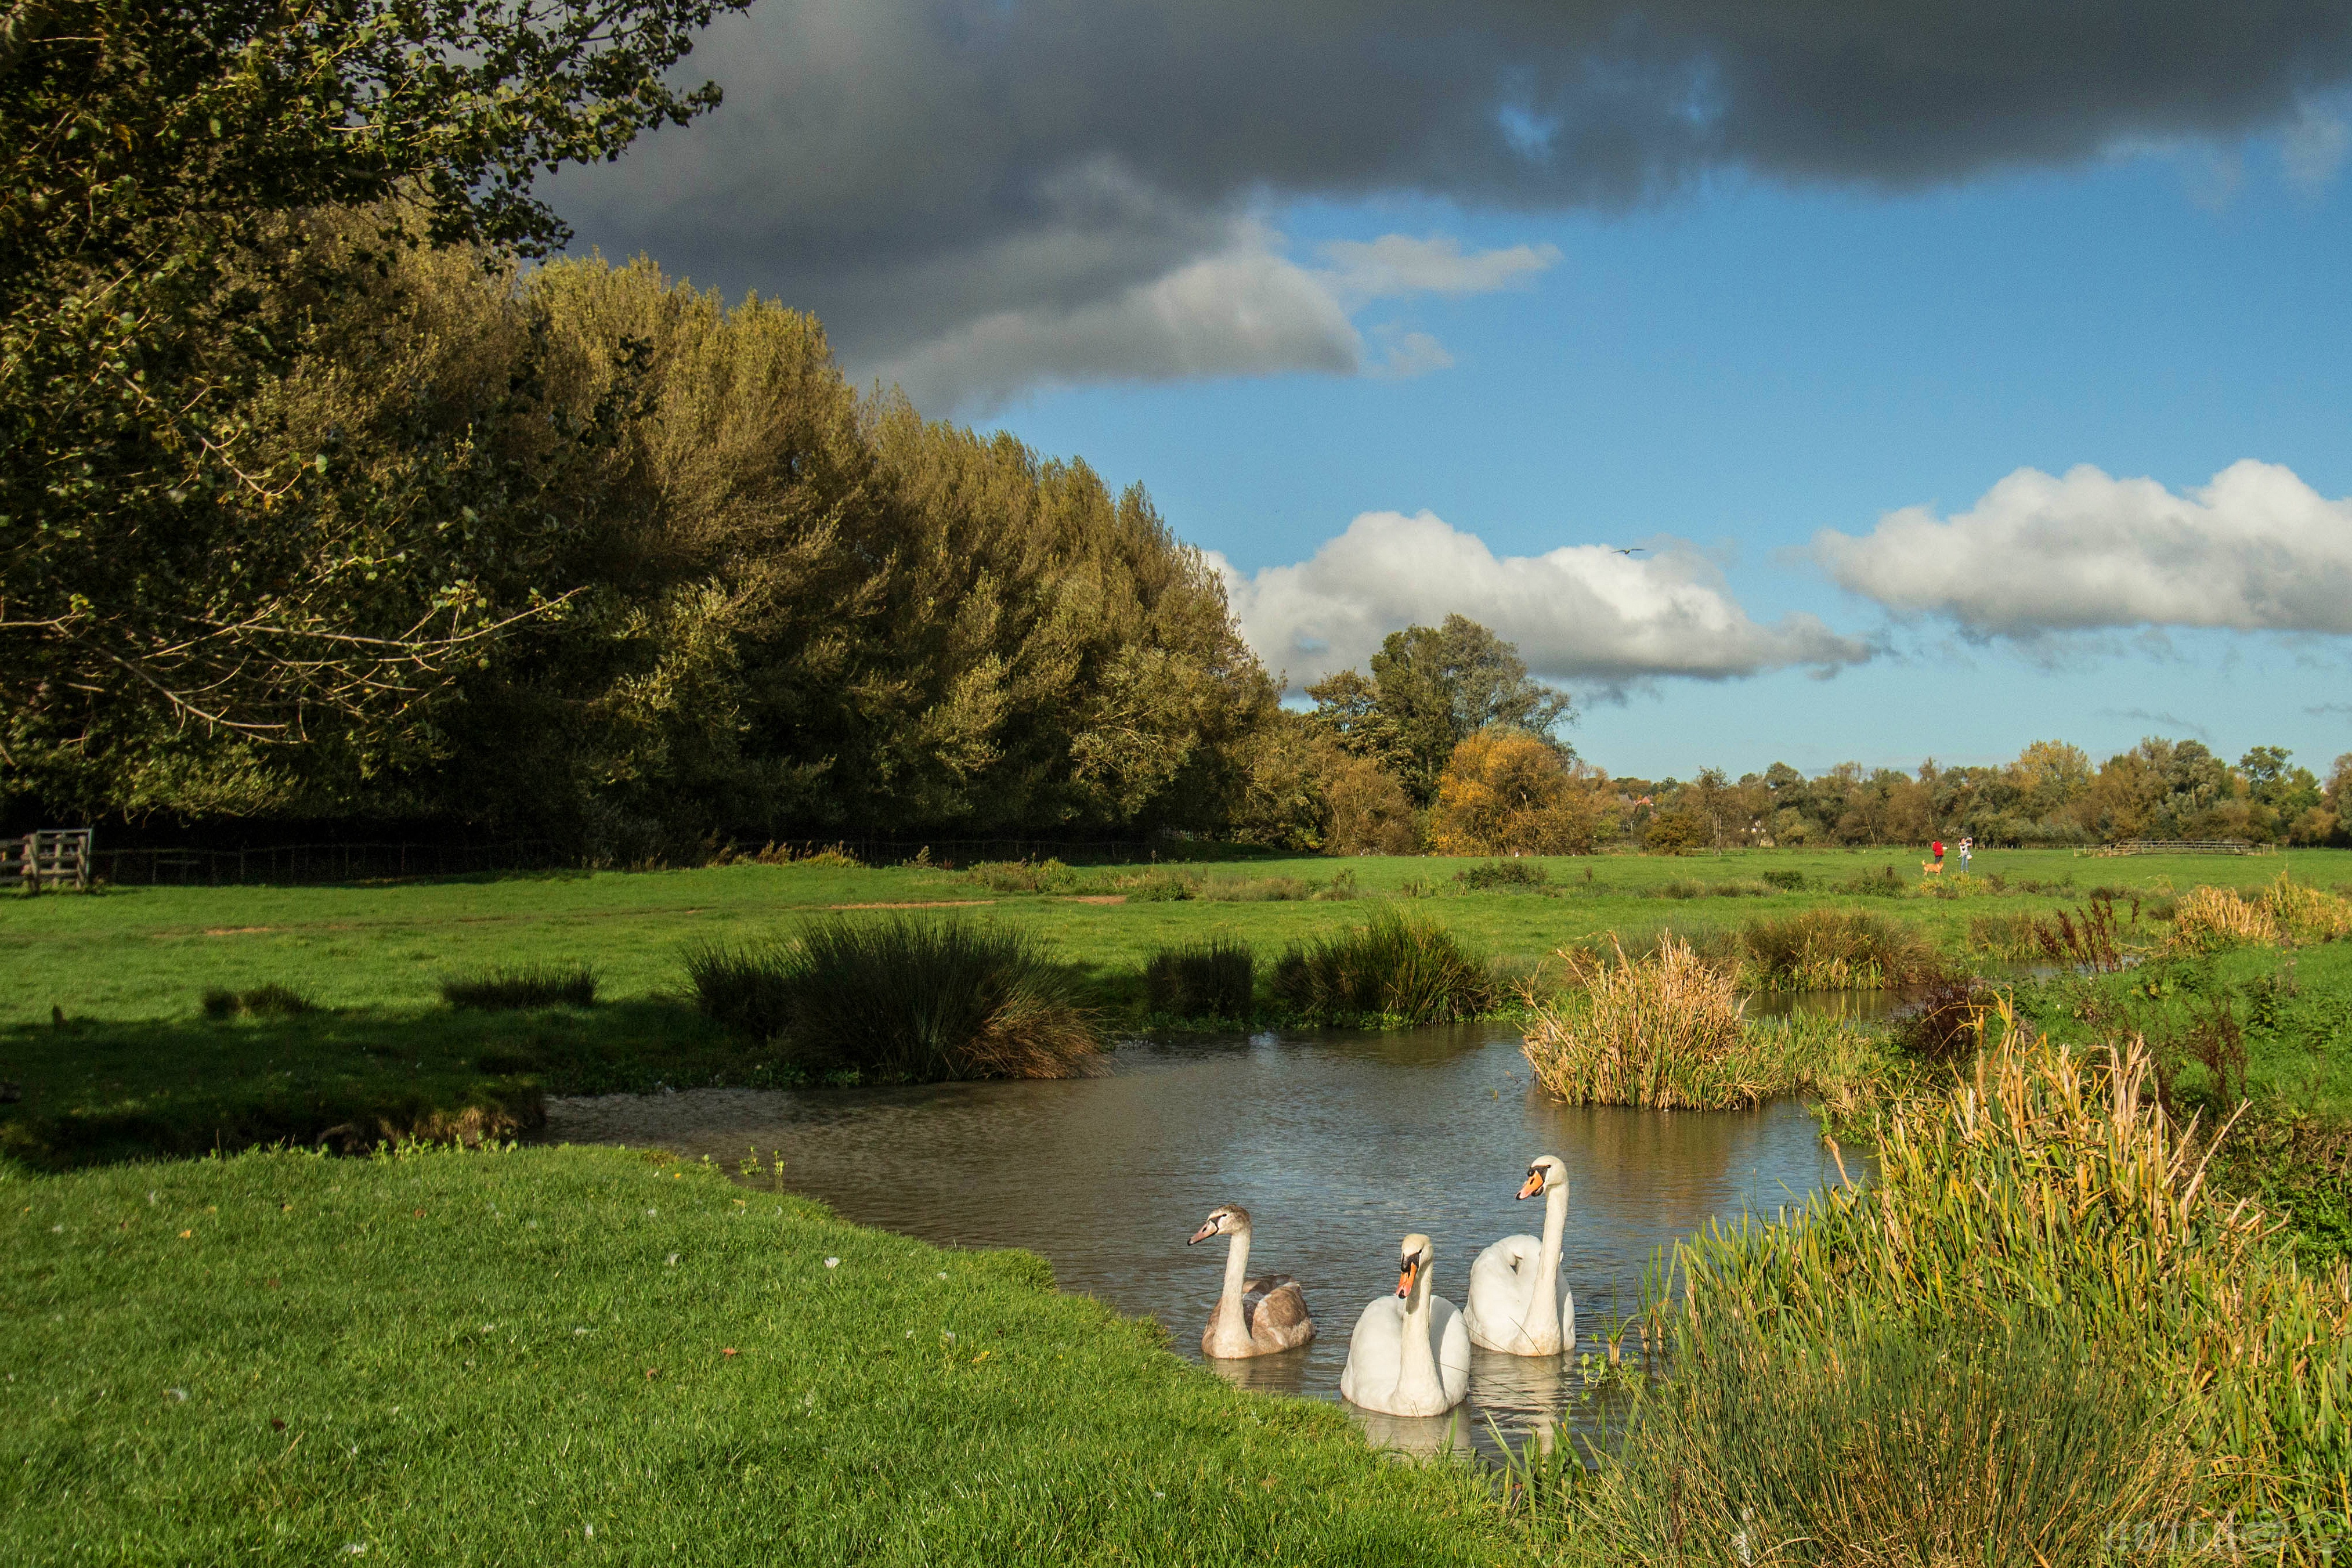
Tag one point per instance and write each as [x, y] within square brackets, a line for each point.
[1337, 1144]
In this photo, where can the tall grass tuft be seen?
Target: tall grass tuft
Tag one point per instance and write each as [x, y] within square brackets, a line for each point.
[2050, 1193]
[1393, 966]
[522, 985]
[1886, 1445]
[269, 1001]
[1211, 979]
[905, 999]
[1834, 950]
[2205, 918]
[1662, 1031]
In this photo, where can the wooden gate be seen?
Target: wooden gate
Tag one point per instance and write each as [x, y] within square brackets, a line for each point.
[52, 857]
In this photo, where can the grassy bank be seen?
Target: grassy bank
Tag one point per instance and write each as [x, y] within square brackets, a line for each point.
[484, 1357]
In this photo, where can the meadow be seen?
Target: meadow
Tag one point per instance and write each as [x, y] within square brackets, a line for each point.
[592, 1356]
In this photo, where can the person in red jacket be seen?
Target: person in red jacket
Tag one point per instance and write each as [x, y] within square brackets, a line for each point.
[1939, 847]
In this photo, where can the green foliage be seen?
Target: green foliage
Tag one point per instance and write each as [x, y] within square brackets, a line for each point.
[190, 199]
[904, 999]
[1673, 832]
[270, 1001]
[1755, 1450]
[1429, 690]
[520, 985]
[1834, 950]
[1394, 966]
[1508, 875]
[1211, 979]
[482, 1326]
[2050, 1194]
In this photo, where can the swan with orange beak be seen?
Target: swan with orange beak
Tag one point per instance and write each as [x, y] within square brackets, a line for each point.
[1518, 1302]
[1410, 1355]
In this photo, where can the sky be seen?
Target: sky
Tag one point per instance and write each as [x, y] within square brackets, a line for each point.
[1960, 375]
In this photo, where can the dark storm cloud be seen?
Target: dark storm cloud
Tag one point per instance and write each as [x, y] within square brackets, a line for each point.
[917, 169]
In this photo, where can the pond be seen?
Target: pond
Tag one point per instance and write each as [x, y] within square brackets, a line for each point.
[1338, 1144]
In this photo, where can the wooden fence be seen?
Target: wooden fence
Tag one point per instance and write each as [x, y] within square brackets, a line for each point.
[2180, 847]
[49, 857]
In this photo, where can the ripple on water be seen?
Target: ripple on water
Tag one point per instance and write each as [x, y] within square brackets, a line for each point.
[1337, 1144]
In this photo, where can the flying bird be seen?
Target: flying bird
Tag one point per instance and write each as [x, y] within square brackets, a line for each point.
[1637, 549]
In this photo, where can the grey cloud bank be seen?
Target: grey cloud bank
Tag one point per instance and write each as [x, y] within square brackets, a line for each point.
[988, 194]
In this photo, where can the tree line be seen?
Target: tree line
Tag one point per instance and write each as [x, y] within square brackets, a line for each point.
[329, 495]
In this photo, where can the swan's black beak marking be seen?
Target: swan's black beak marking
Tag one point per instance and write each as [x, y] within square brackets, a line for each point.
[1203, 1234]
[1404, 1278]
[1533, 1184]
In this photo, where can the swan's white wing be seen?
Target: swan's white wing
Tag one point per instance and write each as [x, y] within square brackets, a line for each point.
[1502, 1284]
[1376, 1352]
[1452, 1337]
[1567, 1317]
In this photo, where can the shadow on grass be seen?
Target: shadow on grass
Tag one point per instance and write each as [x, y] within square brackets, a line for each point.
[94, 1093]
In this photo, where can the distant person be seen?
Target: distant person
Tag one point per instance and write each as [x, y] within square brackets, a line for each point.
[1966, 844]
[1939, 847]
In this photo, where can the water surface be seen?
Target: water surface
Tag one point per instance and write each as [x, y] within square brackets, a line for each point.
[1337, 1144]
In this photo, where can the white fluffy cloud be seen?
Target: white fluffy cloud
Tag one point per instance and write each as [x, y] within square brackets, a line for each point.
[1248, 310]
[1581, 613]
[2256, 549]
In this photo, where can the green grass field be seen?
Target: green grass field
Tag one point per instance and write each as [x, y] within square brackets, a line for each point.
[137, 1068]
[596, 1356]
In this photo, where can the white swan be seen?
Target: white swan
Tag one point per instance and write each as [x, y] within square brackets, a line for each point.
[1254, 1317]
[1410, 1355]
[1518, 1302]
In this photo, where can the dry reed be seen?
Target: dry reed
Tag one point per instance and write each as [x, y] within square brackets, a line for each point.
[1662, 1031]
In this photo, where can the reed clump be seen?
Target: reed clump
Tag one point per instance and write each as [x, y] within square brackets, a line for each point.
[2206, 919]
[269, 1001]
[905, 999]
[1885, 1445]
[1662, 1031]
[1833, 950]
[1211, 979]
[2049, 1193]
[1393, 966]
[517, 986]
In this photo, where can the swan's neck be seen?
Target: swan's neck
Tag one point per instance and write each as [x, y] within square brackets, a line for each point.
[1418, 1362]
[1236, 1270]
[1547, 1280]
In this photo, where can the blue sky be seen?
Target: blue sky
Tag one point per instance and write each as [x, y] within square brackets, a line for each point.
[1743, 365]
[1821, 307]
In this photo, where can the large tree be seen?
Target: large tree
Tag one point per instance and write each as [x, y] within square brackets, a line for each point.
[1431, 688]
[189, 195]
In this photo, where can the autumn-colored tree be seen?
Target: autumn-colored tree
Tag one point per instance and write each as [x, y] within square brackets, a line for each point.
[1507, 792]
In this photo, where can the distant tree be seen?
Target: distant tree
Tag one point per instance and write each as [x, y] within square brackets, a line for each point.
[1506, 791]
[1429, 690]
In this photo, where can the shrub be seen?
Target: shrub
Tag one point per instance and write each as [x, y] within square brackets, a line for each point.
[1787, 882]
[1252, 890]
[1692, 887]
[905, 999]
[1834, 950]
[1394, 966]
[2010, 935]
[270, 1001]
[1886, 1445]
[1024, 876]
[1160, 887]
[1673, 832]
[523, 985]
[1511, 874]
[1662, 1031]
[1508, 791]
[2205, 918]
[1943, 1020]
[1369, 811]
[1211, 979]
[2050, 1192]
[2090, 939]
[1887, 882]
